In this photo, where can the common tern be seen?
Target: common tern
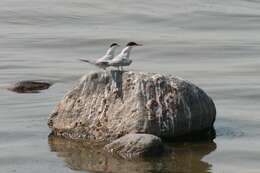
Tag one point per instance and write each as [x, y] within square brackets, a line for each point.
[103, 62]
[123, 59]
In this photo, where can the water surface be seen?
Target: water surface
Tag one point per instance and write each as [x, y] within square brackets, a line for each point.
[214, 44]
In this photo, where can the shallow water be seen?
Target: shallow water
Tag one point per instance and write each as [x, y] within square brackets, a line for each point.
[214, 44]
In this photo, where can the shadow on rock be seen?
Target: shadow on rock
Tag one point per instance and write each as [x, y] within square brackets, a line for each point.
[204, 135]
[184, 157]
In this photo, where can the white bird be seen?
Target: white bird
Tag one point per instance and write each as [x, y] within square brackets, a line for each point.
[103, 62]
[123, 58]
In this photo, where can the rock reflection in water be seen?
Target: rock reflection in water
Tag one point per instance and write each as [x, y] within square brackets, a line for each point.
[185, 158]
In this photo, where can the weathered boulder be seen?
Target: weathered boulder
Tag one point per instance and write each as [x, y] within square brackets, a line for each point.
[29, 86]
[136, 145]
[107, 105]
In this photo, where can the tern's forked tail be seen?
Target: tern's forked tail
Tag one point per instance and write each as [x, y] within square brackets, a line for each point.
[87, 61]
[101, 64]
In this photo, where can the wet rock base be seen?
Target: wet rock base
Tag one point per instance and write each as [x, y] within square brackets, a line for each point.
[136, 145]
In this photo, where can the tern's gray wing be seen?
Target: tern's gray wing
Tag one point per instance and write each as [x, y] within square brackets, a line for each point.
[105, 58]
[102, 65]
[116, 61]
[120, 62]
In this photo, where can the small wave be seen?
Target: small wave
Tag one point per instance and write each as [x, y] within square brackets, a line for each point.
[229, 132]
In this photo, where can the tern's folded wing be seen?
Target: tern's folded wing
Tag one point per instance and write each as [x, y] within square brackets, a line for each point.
[115, 61]
[102, 63]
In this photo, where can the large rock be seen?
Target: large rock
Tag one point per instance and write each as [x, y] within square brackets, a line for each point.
[136, 145]
[107, 105]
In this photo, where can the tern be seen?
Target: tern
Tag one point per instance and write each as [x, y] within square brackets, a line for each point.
[123, 58]
[103, 62]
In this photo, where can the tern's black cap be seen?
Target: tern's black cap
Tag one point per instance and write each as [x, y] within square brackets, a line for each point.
[114, 44]
[133, 44]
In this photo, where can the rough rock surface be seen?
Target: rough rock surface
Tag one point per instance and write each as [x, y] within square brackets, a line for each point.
[107, 105]
[136, 145]
[29, 86]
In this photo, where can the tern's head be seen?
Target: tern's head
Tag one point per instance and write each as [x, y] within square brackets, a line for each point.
[114, 45]
[112, 49]
[132, 44]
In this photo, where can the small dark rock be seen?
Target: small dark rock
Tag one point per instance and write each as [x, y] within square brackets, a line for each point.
[29, 86]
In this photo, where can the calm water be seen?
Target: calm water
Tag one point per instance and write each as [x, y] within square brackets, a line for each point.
[215, 44]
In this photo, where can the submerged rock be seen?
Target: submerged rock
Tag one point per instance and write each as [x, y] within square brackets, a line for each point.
[82, 155]
[29, 86]
[136, 145]
[107, 105]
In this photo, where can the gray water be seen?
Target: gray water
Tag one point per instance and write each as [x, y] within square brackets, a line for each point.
[214, 44]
